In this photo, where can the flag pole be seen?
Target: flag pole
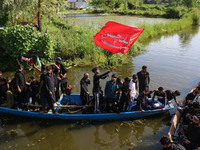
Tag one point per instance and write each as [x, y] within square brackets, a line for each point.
[117, 63]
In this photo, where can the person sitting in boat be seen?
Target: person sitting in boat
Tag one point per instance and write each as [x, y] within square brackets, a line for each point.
[133, 92]
[168, 145]
[190, 97]
[172, 95]
[197, 98]
[50, 87]
[110, 94]
[96, 86]
[161, 98]
[141, 101]
[190, 137]
[84, 95]
[125, 95]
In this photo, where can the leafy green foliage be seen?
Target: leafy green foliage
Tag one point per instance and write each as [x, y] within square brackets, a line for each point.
[24, 40]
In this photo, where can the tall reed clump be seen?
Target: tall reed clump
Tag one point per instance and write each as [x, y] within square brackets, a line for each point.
[196, 17]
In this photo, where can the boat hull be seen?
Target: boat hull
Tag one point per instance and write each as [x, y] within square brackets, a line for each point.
[100, 116]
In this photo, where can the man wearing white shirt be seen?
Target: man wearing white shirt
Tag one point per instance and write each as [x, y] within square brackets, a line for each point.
[197, 98]
[133, 92]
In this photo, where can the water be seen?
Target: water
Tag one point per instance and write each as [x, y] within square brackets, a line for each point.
[98, 20]
[173, 62]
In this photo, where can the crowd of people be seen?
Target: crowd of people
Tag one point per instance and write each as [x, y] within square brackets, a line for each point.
[119, 95]
[17, 92]
[122, 96]
[188, 131]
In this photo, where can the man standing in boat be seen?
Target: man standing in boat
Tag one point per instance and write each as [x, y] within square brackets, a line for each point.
[50, 88]
[85, 81]
[42, 92]
[61, 72]
[144, 79]
[133, 92]
[20, 85]
[110, 94]
[97, 87]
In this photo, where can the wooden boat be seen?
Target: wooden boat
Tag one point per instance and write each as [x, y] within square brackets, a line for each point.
[80, 116]
[173, 132]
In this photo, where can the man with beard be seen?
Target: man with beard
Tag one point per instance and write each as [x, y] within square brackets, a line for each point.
[167, 145]
[191, 138]
[110, 94]
[50, 88]
[144, 79]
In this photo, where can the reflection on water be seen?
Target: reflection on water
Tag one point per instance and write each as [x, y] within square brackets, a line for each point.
[21, 134]
[172, 63]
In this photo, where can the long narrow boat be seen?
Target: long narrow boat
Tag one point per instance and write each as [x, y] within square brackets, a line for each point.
[176, 122]
[80, 116]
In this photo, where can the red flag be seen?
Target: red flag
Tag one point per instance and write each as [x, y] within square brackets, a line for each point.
[116, 37]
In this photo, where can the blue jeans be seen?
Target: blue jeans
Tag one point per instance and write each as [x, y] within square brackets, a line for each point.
[131, 104]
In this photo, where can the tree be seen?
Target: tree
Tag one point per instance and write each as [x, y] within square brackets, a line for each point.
[188, 3]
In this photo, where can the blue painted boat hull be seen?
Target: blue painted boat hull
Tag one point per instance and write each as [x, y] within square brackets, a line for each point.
[101, 116]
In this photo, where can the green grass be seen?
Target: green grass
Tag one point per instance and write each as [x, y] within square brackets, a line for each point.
[76, 46]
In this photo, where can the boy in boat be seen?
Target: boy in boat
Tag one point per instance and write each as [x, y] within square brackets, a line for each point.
[133, 92]
[172, 95]
[141, 101]
[168, 145]
[161, 97]
[143, 79]
[96, 86]
[20, 85]
[125, 95]
[50, 88]
[110, 94]
[84, 95]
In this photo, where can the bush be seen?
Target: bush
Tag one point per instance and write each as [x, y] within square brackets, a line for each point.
[23, 40]
[172, 13]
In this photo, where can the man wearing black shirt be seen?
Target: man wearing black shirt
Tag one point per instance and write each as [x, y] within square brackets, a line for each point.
[144, 79]
[60, 71]
[161, 97]
[125, 95]
[20, 85]
[85, 81]
[192, 135]
[42, 92]
[50, 87]
[172, 95]
[96, 86]
[34, 90]
[141, 101]
[167, 145]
